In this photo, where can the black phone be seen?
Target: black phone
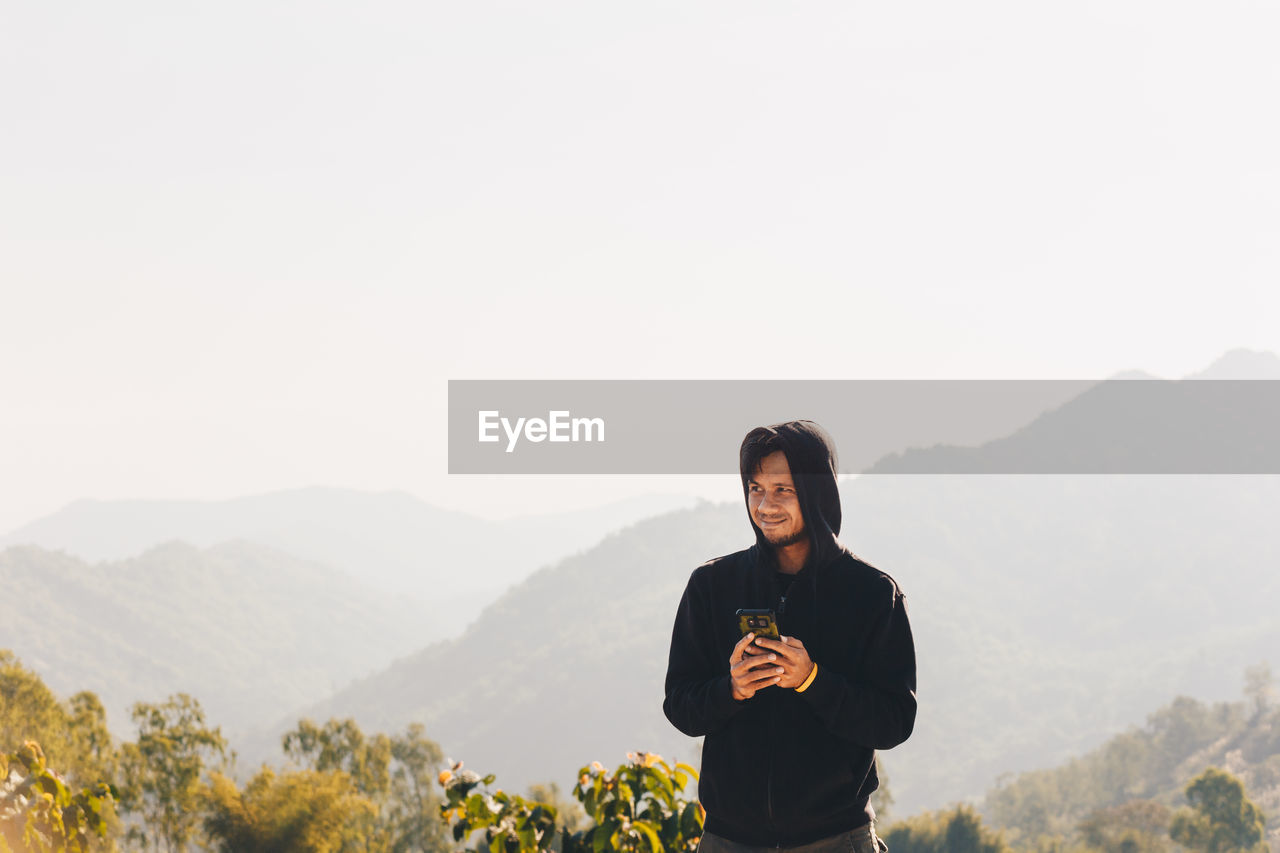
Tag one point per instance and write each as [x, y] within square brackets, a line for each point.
[762, 622]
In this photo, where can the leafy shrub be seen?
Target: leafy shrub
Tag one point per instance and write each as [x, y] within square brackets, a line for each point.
[38, 812]
[637, 808]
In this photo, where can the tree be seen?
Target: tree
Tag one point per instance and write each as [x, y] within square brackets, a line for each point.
[1221, 818]
[964, 832]
[162, 770]
[396, 774]
[340, 745]
[38, 812]
[959, 830]
[28, 709]
[305, 810]
[1138, 826]
[73, 737]
[413, 813]
[1259, 688]
[91, 745]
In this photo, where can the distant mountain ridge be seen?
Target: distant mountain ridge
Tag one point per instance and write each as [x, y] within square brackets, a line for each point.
[1132, 427]
[390, 542]
[1242, 364]
[1049, 613]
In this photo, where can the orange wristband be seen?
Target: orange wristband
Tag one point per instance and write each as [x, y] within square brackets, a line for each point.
[813, 673]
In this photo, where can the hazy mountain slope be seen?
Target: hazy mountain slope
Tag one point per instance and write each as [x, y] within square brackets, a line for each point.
[1131, 427]
[1049, 612]
[566, 667]
[1154, 761]
[248, 630]
[1242, 364]
[390, 541]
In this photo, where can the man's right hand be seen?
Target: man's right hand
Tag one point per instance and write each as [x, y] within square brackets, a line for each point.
[750, 671]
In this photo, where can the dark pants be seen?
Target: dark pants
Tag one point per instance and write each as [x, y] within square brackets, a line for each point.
[860, 840]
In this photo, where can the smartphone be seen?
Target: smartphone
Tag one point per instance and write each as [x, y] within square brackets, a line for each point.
[762, 622]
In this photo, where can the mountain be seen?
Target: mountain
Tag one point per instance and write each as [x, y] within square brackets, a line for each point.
[248, 630]
[529, 685]
[390, 542]
[1242, 364]
[1049, 612]
[1134, 427]
[1143, 772]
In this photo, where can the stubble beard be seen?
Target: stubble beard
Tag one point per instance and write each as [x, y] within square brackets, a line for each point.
[794, 538]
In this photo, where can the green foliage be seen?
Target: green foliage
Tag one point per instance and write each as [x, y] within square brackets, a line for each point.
[393, 773]
[162, 770]
[28, 709]
[571, 817]
[39, 813]
[306, 810]
[74, 736]
[340, 745]
[637, 808]
[1221, 818]
[510, 823]
[959, 830]
[412, 811]
[91, 747]
[369, 793]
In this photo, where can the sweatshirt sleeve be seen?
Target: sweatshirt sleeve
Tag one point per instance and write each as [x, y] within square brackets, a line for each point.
[878, 709]
[699, 695]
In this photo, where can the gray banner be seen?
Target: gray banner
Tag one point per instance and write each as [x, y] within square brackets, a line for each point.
[694, 427]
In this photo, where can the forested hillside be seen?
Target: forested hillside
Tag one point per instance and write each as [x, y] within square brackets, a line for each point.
[1137, 780]
[1049, 612]
[1196, 777]
[172, 782]
[252, 631]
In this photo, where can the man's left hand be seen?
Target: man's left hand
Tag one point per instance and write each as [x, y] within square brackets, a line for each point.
[792, 657]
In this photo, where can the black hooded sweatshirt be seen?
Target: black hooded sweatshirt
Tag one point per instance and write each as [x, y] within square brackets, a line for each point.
[782, 767]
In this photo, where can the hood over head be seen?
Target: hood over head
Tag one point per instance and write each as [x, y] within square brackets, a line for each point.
[811, 456]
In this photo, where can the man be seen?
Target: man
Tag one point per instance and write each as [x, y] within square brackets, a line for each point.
[792, 726]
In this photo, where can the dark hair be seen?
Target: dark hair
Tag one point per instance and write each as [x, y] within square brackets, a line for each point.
[758, 444]
[787, 436]
[811, 456]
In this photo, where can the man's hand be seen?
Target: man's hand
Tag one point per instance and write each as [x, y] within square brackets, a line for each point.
[750, 671]
[792, 658]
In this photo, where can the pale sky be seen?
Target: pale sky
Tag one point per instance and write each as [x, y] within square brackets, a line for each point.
[243, 246]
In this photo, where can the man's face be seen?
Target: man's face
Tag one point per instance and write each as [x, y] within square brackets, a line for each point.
[774, 505]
